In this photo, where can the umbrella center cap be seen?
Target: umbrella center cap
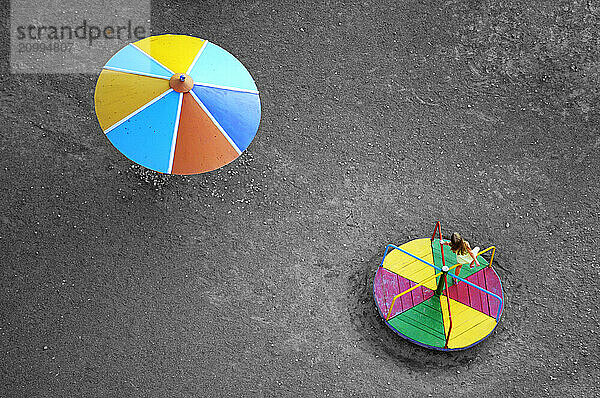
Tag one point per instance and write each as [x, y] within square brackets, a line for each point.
[181, 82]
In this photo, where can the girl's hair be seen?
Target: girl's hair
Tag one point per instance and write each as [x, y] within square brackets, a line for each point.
[458, 244]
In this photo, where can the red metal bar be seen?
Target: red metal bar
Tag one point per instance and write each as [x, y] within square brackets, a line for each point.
[438, 225]
[441, 245]
[442, 250]
[449, 314]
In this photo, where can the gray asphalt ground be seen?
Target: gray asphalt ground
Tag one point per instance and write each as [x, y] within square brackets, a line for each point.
[379, 118]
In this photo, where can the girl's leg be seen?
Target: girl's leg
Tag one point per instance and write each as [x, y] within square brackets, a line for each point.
[457, 273]
[475, 253]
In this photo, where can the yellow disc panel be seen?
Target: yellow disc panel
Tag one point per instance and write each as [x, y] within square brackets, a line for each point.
[176, 52]
[409, 267]
[469, 326]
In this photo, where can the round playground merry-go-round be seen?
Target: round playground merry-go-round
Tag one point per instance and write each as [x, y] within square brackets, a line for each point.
[426, 296]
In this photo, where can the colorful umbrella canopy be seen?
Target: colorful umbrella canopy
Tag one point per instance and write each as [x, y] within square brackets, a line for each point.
[177, 104]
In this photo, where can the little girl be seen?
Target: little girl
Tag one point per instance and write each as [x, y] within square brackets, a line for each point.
[464, 253]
